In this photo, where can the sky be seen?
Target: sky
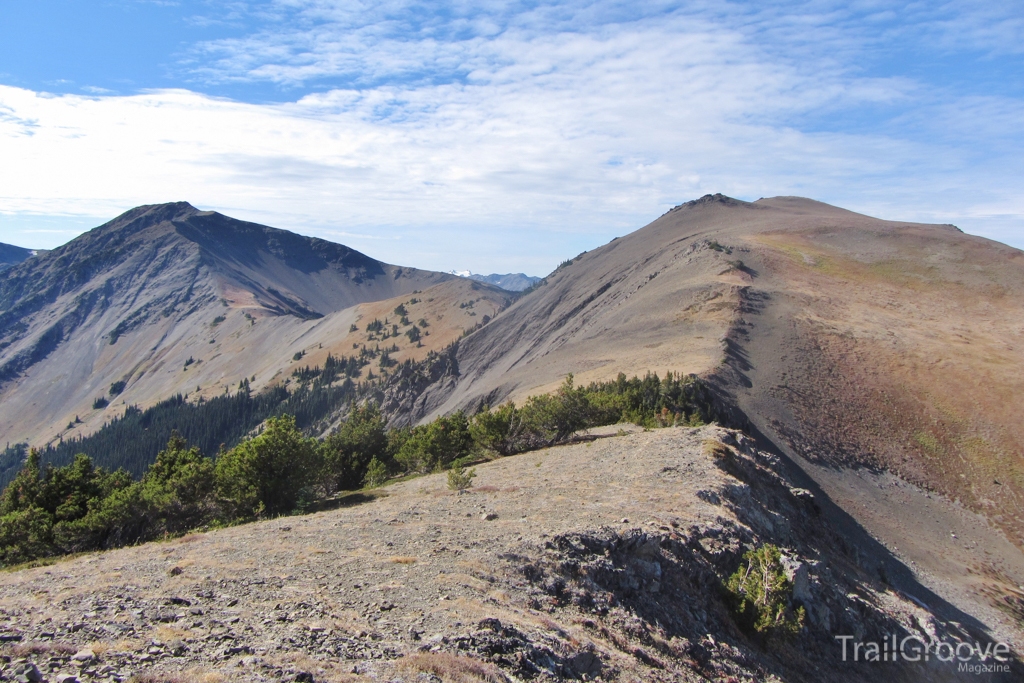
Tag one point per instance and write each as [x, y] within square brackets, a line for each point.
[505, 136]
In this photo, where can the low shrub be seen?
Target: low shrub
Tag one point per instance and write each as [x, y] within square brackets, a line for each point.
[376, 474]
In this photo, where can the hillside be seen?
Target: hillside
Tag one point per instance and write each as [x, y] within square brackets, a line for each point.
[169, 299]
[875, 364]
[599, 560]
[878, 356]
[850, 339]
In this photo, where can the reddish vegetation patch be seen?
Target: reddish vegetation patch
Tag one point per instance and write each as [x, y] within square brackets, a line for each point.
[907, 363]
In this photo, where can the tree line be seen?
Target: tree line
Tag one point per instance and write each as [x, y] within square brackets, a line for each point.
[49, 510]
[131, 440]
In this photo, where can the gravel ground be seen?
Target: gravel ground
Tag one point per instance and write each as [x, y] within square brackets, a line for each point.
[600, 560]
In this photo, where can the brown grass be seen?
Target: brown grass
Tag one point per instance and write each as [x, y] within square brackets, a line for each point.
[452, 668]
[192, 676]
[716, 448]
[327, 672]
[169, 633]
[29, 649]
[127, 645]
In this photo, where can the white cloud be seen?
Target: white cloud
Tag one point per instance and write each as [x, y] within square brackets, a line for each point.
[505, 142]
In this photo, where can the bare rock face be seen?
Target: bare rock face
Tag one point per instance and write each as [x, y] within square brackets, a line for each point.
[600, 560]
[402, 398]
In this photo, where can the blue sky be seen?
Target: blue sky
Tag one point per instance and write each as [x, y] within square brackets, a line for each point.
[505, 136]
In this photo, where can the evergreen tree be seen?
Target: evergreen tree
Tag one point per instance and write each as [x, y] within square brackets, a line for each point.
[347, 453]
[266, 475]
[435, 445]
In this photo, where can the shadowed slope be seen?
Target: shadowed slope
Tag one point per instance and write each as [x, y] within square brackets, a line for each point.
[11, 255]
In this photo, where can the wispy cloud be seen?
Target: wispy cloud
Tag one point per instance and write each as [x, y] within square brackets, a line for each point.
[562, 125]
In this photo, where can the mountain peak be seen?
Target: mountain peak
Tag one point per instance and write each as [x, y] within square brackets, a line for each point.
[157, 213]
[164, 266]
[710, 200]
[717, 198]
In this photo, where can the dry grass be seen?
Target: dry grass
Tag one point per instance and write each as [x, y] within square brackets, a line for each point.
[323, 671]
[476, 566]
[127, 645]
[191, 676]
[349, 621]
[452, 668]
[169, 633]
[466, 580]
[29, 649]
[715, 448]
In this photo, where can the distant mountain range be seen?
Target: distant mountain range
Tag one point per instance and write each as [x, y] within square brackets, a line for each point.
[511, 282]
[11, 255]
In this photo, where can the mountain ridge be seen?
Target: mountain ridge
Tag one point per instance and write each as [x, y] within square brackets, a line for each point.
[882, 358]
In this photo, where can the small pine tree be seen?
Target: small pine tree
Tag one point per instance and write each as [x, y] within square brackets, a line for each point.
[376, 474]
[459, 478]
[760, 593]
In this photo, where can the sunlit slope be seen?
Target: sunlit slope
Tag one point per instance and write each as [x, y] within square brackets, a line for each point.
[851, 339]
[170, 299]
[898, 346]
[659, 299]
